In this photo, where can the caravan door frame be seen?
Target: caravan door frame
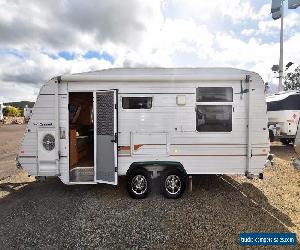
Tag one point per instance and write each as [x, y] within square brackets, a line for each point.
[68, 136]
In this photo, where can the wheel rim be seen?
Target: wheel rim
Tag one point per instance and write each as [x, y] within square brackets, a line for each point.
[173, 184]
[139, 184]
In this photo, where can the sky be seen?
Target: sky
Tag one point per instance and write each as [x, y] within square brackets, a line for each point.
[43, 39]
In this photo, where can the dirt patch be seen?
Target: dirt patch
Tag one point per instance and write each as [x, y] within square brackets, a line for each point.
[10, 139]
[280, 189]
[283, 152]
[14, 183]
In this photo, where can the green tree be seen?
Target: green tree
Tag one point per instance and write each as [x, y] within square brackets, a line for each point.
[292, 80]
[11, 111]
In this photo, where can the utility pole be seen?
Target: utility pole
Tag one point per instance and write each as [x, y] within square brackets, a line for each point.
[281, 49]
[277, 11]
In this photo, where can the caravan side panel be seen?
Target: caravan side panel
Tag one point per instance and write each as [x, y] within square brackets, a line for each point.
[260, 145]
[199, 152]
[43, 119]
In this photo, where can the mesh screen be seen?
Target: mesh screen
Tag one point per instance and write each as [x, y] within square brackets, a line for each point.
[105, 113]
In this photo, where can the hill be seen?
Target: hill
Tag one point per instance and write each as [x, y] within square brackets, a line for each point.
[20, 104]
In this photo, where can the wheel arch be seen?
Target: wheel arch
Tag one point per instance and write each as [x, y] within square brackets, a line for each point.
[166, 165]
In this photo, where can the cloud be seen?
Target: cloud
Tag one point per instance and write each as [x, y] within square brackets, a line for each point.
[20, 79]
[63, 24]
[55, 37]
[39, 68]
[248, 32]
[271, 27]
[236, 10]
[175, 36]
[16, 91]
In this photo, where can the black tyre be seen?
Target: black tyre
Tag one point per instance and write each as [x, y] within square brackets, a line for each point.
[173, 184]
[139, 183]
[285, 141]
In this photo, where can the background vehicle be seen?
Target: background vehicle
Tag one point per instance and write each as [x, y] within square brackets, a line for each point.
[283, 116]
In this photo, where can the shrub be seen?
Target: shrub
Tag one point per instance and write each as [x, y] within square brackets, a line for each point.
[11, 111]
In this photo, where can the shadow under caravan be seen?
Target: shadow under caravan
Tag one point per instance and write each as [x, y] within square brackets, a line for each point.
[81, 136]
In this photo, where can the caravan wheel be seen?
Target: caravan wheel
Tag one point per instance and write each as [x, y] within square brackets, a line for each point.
[139, 183]
[173, 184]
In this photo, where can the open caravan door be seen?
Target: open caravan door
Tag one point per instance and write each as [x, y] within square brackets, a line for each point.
[105, 137]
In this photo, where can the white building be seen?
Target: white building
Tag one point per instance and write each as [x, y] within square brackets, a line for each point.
[27, 113]
[1, 111]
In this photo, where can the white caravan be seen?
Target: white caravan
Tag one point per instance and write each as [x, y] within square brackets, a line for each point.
[283, 115]
[92, 127]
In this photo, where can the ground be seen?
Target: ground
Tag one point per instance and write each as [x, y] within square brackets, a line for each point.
[51, 214]
[10, 138]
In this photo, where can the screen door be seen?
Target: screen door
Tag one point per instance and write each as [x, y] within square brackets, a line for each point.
[105, 133]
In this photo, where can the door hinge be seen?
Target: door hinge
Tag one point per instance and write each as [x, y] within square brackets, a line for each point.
[116, 169]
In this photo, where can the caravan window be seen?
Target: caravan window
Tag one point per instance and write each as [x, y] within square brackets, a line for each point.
[214, 118]
[214, 94]
[137, 102]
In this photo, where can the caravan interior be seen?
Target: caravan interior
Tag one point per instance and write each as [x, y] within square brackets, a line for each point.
[81, 136]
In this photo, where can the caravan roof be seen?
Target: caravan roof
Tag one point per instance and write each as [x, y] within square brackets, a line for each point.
[160, 74]
[288, 100]
[281, 95]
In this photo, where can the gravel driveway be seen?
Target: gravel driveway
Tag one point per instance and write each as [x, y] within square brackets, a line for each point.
[53, 215]
[42, 215]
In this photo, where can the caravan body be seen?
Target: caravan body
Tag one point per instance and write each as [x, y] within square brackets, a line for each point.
[92, 127]
[283, 115]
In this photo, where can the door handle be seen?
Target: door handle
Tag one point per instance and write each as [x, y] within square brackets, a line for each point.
[115, 140]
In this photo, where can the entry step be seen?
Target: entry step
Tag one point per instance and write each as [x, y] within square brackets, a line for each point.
[82, 174]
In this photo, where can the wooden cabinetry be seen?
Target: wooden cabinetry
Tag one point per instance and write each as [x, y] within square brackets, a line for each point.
[73, 147]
